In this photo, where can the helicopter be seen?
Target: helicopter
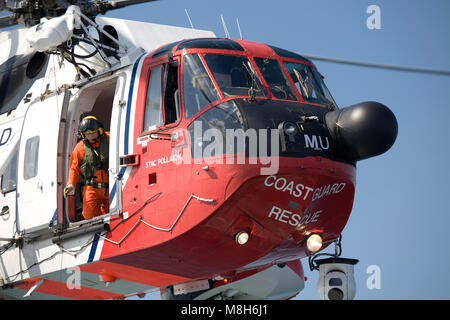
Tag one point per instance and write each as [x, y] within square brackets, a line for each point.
[229, 160]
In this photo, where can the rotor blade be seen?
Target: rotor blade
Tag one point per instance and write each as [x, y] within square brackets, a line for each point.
[117, 4]
[8, 21]
[380, 66]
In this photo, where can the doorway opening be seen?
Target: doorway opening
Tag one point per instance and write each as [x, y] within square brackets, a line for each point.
[96, 100]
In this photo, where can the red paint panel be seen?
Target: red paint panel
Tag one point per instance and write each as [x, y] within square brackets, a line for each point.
[60, 289]
[207, 228]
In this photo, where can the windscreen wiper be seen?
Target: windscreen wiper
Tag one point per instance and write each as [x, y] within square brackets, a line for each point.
[302, 83]
[254, 85]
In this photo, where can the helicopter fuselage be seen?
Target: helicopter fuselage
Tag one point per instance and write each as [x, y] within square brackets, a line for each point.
[223, 162]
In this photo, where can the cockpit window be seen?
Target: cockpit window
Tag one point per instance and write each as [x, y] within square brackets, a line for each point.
[276, 79]
[234, 75]
[199, 89]
[310, 84]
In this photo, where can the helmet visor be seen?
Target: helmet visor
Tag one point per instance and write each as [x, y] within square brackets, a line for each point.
[88, 125]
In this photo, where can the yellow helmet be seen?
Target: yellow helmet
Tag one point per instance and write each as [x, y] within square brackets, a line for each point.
[90, 124]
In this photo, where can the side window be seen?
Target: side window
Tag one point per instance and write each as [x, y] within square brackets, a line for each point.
[171, 111]
[153, 116]
[161, 107]
[30, 167]
[9, 177]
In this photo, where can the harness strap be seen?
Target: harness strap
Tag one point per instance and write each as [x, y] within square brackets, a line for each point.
[98, 185]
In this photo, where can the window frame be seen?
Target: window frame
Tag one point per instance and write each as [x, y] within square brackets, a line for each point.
[286, 83]
[31, 153]
[319, 82]
[260, 81]
[163, 66]
[147, 116]
[214, 86]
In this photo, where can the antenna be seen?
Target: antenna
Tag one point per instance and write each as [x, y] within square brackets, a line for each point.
[239, 27]
[227, 35]
[189, 18]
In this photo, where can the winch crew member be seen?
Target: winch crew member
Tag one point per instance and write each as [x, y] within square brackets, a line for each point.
[90, 159]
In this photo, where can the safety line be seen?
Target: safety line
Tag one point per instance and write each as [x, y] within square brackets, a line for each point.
[95, 237]
[155, 227]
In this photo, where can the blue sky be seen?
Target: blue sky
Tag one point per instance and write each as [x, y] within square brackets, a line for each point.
[401, 212]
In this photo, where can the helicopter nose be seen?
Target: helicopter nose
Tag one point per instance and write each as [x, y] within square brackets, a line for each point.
[362, 130]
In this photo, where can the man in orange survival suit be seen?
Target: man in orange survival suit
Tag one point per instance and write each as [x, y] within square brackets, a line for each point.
[90, 159]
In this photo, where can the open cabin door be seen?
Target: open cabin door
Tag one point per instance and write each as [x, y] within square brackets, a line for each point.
[105, 101]
[120, 117]
[38, 163]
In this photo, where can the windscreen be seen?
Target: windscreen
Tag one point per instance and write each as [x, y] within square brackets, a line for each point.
[199, 89]
[310, 84]
[234, 75]
[276, 79]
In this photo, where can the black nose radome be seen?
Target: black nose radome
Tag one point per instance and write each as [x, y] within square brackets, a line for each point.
[362, 130]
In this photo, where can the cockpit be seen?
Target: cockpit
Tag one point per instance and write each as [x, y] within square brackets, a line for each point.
[211, 76]
[204, 72]
[189, 78]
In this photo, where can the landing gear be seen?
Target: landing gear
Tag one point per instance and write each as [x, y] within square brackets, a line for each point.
[336, 279]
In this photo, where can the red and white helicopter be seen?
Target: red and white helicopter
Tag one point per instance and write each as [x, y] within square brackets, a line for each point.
[229, 160]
